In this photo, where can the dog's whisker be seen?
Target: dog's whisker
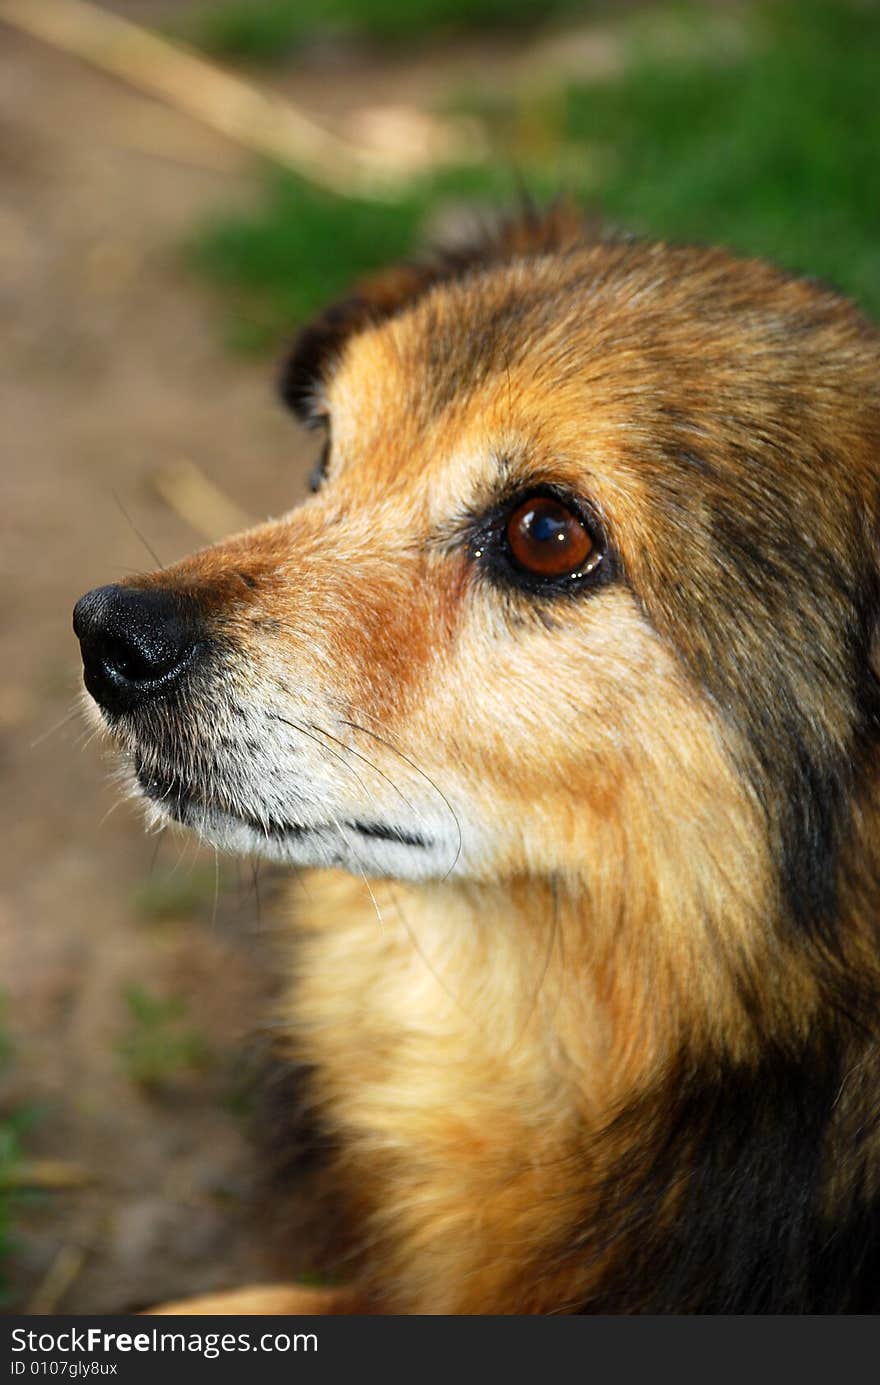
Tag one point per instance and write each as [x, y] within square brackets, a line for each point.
[187, 845]
[109, 812]
[554, 937]
[351, 751]
[383, 741]
[88, 736]
[216, 890]
[147, 545]
[423, 956]
[50, 731]
[155, 856]
[295, 726]
[255, 881]
[361, 872]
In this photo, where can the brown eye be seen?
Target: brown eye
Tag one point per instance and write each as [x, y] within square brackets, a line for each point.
[547, 539]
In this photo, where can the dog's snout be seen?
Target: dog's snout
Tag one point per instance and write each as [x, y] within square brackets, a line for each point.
[135, 644]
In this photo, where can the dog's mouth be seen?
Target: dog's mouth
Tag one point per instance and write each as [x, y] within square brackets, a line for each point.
[187, 805]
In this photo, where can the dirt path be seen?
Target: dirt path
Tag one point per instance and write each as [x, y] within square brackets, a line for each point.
[111, 363]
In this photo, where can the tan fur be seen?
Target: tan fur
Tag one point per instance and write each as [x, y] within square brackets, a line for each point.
[257, 1300]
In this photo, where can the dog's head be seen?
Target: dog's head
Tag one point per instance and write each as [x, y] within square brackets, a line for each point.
[587, 587]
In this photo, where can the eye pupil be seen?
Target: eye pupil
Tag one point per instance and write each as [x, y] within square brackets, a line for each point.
[547, 539]
[547, 529]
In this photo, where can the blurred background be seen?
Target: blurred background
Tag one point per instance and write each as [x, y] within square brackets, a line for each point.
[177, 192]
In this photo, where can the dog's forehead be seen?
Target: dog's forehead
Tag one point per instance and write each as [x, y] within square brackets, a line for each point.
[594, 317]
[502, 364]
[429, 360]
[637, 361]
[555, 315]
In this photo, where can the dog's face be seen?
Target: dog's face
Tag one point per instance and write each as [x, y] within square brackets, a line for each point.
[588, 576]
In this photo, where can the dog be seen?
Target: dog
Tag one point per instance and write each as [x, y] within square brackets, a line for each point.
[563, 686]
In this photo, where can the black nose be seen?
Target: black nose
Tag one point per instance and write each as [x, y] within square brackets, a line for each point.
[135, 644]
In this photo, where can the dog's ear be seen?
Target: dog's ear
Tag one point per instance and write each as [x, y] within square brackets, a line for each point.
[381, 296]
[317, 347]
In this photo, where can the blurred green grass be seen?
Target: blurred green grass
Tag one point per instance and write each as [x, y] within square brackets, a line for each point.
[298, 251]
[770, 148]
[158, 1045]
[167, 896]
[775, 154]
[304, 246]
[268, 30]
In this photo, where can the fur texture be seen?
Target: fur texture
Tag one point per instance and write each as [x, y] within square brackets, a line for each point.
[585, 979]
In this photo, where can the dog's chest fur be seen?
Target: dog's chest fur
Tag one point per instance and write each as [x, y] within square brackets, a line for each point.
[437, 1036]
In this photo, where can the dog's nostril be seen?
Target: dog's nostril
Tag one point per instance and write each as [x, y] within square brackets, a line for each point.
[135, 664]
[135, 644]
